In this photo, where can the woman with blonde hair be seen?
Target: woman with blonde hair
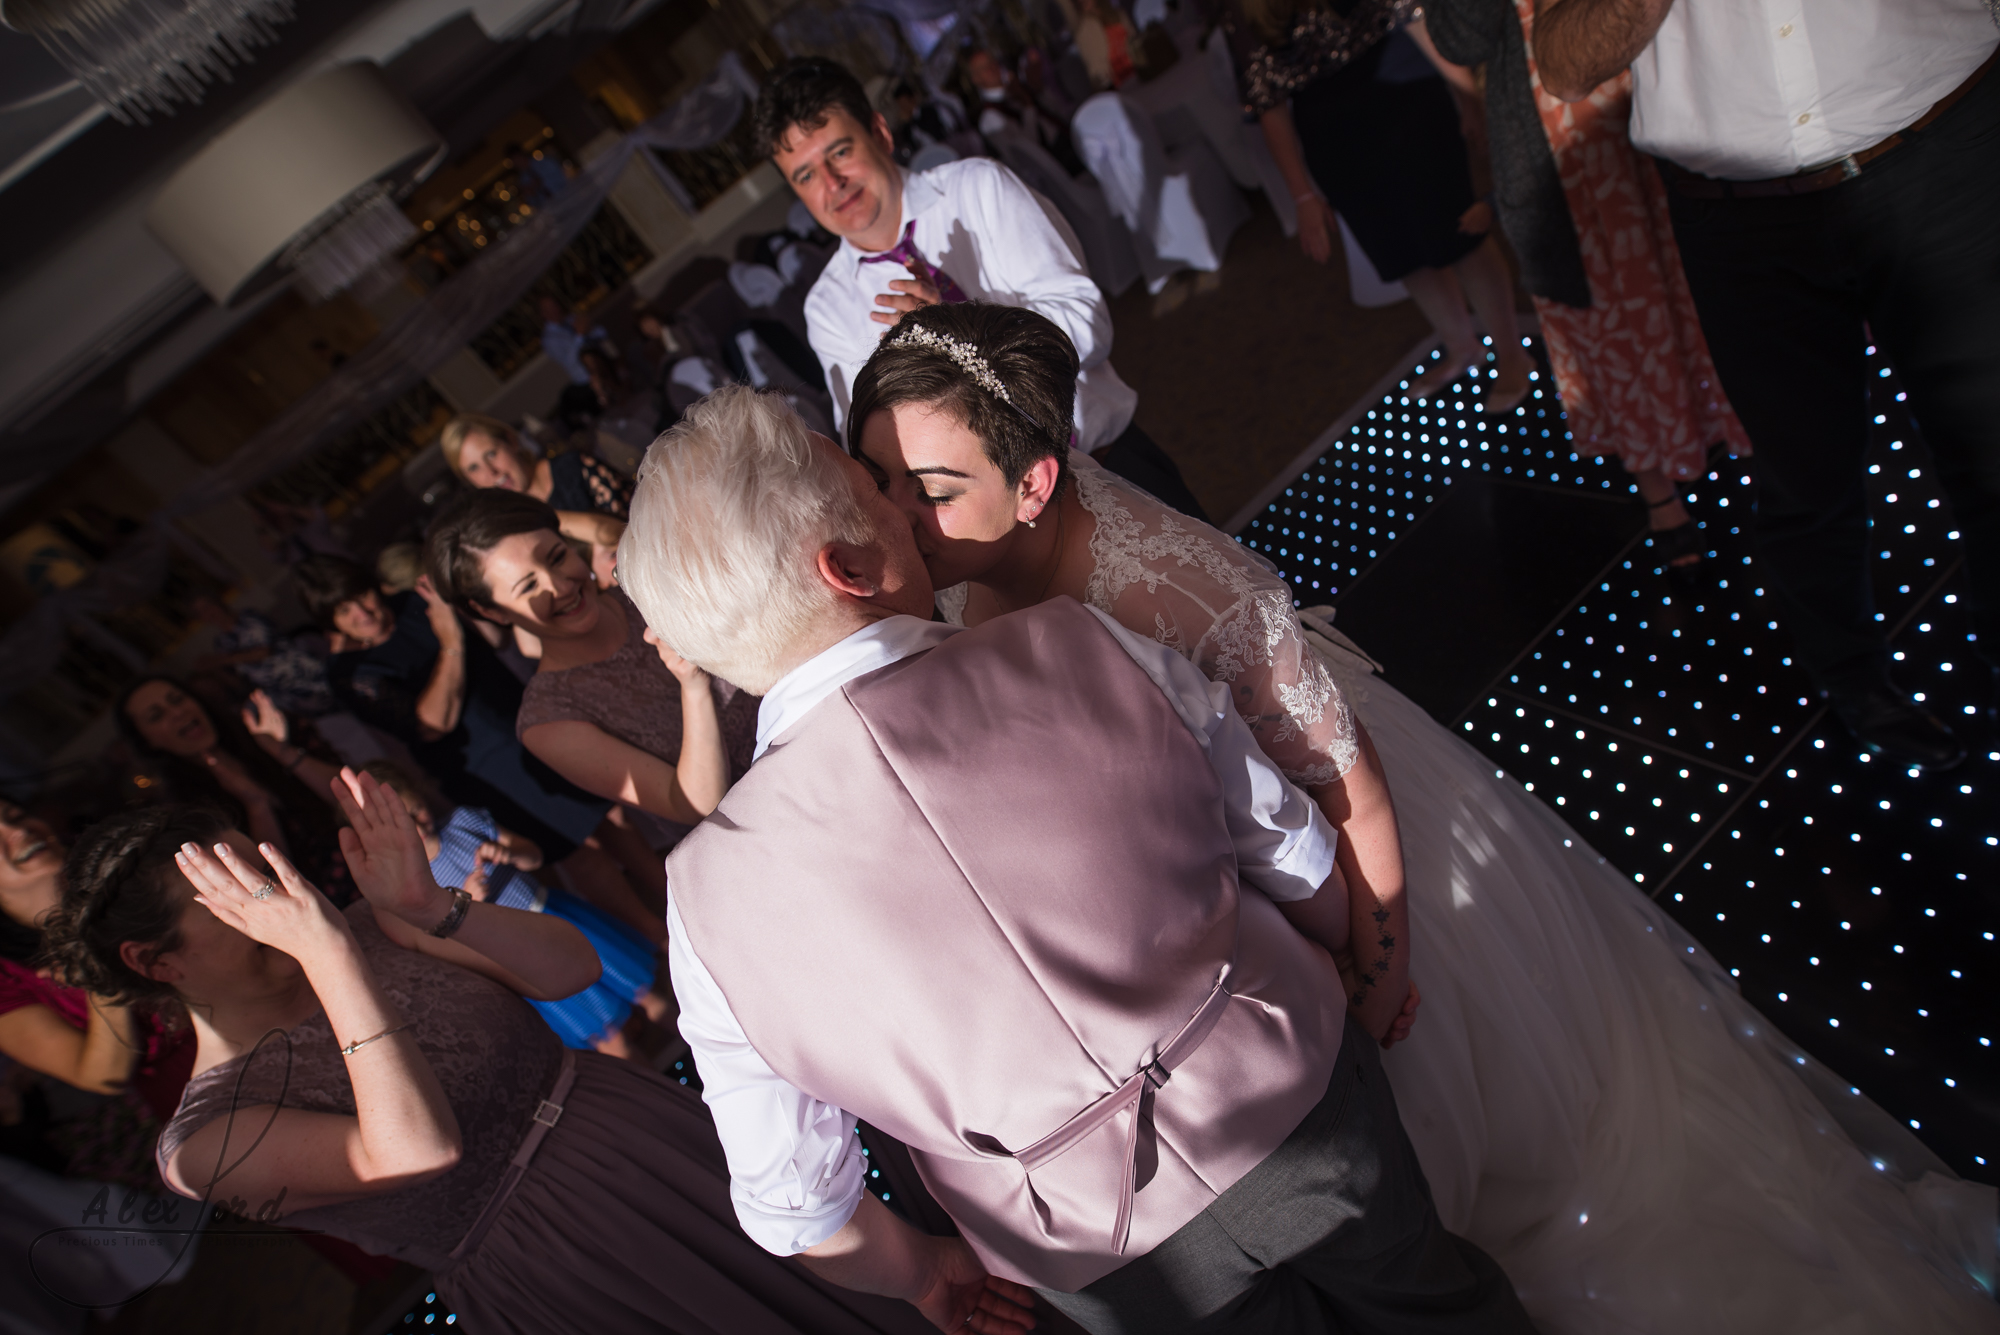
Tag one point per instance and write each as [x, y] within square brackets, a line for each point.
[589, 498]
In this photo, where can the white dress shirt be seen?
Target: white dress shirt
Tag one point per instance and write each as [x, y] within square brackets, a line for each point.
[1744, 90]
[795, 1168]
[1000, 242]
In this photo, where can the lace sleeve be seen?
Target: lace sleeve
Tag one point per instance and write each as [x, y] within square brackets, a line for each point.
[1188, 586]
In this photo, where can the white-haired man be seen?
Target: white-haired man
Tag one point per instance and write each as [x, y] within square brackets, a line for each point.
[1029, 898]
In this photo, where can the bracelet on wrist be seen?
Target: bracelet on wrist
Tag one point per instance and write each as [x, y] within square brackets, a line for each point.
[361, 1043]
[454, 918]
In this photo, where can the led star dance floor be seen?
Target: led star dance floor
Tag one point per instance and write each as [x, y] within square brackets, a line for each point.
[1510, 587]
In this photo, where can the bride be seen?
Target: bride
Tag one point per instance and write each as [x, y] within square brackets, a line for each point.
[1592, 1101]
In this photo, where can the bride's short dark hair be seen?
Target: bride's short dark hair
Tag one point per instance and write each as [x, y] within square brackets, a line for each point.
[1029, 356]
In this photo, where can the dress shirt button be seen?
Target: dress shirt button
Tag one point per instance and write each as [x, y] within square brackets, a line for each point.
[1804, 116]
[1785, 31]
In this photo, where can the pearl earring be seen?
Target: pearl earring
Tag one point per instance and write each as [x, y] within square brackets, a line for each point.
[1033, 515]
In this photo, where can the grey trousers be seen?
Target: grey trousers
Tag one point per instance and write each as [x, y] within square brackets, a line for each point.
[1333, 1232]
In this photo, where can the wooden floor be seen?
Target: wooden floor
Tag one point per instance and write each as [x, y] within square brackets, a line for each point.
[1237, 382]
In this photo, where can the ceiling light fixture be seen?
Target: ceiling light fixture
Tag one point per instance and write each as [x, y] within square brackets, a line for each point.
[141, 58]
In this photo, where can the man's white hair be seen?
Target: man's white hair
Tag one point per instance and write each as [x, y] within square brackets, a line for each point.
[732, 507]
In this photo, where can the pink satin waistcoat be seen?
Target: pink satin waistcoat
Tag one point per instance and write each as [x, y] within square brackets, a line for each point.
[979, 892]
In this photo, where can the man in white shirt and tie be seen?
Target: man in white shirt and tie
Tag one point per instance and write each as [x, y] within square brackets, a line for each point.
[969, 230]
[1834, 175]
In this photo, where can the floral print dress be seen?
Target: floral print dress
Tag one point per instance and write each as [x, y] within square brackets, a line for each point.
[1632, 367]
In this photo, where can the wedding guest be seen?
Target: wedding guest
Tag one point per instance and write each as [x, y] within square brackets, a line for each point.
[1832, 188]
[968, 230]
[1587, 215]
[91, 1043]
[1107, 39]
[497, 866]
[1007, 104]
[486, 452]
[291, 669]
[1589, 1095]
[405, 1097]
[589, 496]
[406, 665]
[1360, 122]
[607, 708]
[246, 764]
[398, 565]
[564, 337]
[1136, 991]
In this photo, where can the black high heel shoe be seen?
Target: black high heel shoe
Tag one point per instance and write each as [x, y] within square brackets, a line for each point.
[1672, 545]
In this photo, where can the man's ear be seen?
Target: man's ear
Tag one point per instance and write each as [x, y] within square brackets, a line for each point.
[851, 569]
[484, 613]
[883, 135]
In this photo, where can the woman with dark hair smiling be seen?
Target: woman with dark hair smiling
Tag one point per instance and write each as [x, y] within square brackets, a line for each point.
[378, 1075]
[609, 708]
[406, 665]
[246, 765]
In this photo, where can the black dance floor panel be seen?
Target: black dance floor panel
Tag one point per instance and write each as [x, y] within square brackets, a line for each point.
[1511, 589]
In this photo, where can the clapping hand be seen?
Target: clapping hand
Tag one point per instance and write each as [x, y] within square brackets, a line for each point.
[282, 910]
[475, 880]
[442, 615]
[385, 851]
[265, 719]
[521, 858]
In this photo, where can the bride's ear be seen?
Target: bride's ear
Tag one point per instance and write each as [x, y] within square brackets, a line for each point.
[1038, 489]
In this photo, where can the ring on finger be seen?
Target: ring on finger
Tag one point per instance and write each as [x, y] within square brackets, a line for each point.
[264, 891]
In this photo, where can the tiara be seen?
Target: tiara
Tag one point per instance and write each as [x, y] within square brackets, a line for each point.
[964, 354]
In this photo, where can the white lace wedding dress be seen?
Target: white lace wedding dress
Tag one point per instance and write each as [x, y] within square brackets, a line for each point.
[1592, 1101]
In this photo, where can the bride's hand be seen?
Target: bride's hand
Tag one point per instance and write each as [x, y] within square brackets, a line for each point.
[386, 853]
[1406, 1019]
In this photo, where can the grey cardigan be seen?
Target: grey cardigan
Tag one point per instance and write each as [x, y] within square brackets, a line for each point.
[1527, 189]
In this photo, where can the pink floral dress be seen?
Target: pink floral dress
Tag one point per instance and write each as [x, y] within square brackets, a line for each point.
[1633, 369]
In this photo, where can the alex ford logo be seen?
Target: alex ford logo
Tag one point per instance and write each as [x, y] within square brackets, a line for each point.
[127, 1242]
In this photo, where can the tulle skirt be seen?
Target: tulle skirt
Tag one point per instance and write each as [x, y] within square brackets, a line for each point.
[1596, 1106]
[629, 964]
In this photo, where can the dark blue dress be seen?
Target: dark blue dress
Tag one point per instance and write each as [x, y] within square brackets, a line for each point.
[479, 763]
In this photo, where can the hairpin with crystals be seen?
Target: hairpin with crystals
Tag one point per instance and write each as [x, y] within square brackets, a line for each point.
[912, 334]
[964, 354]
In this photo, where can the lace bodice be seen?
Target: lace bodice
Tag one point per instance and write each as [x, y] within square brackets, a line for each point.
[1159, 573]
[492, 1053]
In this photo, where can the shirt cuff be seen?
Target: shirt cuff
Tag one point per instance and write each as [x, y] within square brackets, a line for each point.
[1302, 864]
[785, 1231]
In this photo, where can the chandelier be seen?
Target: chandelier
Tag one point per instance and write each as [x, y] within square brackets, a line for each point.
[139, 58]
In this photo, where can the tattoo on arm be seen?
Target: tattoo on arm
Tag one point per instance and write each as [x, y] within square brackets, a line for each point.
[1377, 968]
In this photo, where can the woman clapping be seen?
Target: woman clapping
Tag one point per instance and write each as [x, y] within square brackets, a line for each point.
[379, 1076]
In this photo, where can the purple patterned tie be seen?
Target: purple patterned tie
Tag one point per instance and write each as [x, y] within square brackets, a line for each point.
[905, 253]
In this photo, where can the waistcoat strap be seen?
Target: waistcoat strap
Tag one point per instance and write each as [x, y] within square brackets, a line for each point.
[1131, 1096]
